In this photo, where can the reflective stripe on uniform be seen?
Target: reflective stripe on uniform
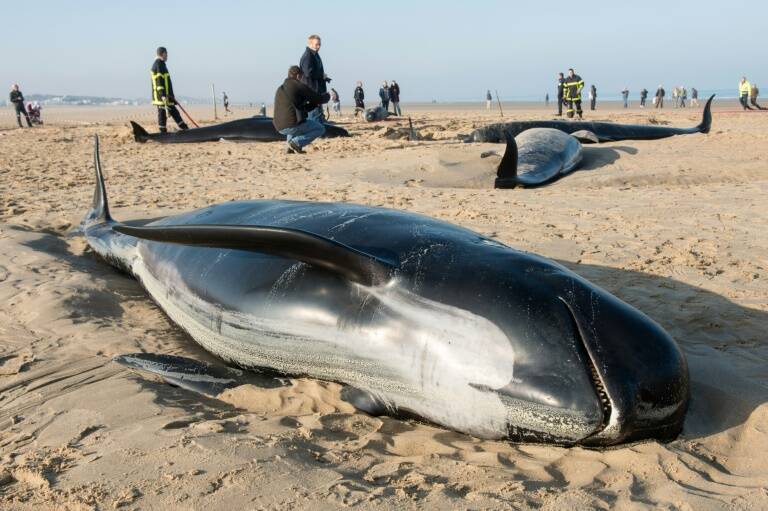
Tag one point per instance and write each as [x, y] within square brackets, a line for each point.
[158, 91]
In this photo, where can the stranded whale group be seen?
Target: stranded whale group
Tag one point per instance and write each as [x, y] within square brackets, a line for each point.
[420, 316]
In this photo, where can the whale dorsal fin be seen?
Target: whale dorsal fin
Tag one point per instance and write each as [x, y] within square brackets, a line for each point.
[307, 247]
[506, 173]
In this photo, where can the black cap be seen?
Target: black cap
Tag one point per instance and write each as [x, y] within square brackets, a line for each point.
[161, 50]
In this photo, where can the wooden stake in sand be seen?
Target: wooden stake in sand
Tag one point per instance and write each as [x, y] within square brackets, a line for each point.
[501, 112]
[215, 113]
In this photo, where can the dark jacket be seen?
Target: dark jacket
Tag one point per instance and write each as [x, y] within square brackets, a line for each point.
[394, 93]
[560, 82]
[359, 95]
[17, 97]
[161, 83]
[694, 93]
[384, 93]
[293, 100]
[572, 87]
[660, 92]
[488, 96]
[312, 68]
[644, 93]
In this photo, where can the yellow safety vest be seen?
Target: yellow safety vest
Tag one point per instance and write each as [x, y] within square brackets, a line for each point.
[160, 87]
[745, 88]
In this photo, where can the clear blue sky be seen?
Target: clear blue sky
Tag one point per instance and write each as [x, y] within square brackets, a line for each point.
[435, 49]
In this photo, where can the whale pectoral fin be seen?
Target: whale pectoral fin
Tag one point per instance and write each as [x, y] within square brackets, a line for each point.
[506, 172]
[585, 137]
[206, 379]
[350, 263]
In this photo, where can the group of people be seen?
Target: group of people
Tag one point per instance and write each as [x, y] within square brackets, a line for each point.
[748, 93]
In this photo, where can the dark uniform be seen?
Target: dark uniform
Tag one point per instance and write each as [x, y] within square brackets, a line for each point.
[359, 100]
[560, 82]
[17, 99]
[572, 94]
[162, 96]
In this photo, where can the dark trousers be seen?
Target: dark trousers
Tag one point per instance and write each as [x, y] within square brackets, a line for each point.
[385, 104]
[743, 100]
[660, 102]
[20, 110]
[559, 105]
[571, 104]
[592, 103]
[162, 117]
[642, 101]
[753, 101]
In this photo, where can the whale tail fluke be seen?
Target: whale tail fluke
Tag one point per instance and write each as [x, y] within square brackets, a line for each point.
[99, 212]
[139, 133]
[506, 174]
[706, 121]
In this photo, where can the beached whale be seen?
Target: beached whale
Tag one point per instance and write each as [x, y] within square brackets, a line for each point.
[254, 129]
[421, 316]
[538, 156]
[604, 131]
[378, 113]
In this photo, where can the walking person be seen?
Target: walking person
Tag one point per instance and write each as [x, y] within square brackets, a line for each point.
[572, 93]
[694, 96]
[643, 97]
[313, 72]
[225, 100]
[744, 90]
[683, 96]
[753, 93]
[660, 93]
[384, 95]
[394, 96]
[359, 99]
[335, 101]
[546, 99]
[625, 97]
[17, 100]
[592, 96]
[488, 100]
[293, 102]
[162, 93]
[560, 100]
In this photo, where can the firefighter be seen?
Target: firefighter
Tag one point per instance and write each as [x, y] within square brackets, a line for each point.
[162, 93]
[572, 93]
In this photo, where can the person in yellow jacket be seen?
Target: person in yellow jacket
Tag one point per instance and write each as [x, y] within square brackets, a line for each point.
[162, 93]
[572, 93]
[745, 89]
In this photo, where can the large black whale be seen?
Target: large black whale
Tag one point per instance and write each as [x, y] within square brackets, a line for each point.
[254, 129]
[604, 131]
[421, 316]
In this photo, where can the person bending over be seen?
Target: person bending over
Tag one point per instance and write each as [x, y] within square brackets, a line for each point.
[293, 103]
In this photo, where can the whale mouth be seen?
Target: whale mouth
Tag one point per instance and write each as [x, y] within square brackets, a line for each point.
[597, 380]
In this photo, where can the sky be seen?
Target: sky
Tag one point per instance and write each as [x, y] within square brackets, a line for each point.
[436, 50]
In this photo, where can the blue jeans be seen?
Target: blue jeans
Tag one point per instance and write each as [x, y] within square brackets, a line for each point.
[317, 114]
[304, 133]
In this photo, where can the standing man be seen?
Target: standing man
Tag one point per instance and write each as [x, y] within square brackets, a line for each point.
[660, 93]
[560, 100]
[488, 99]
[359, 98]
[744, 90]
[592, 96]
[625, 97]
[162, 93]
[694, 96]
[293, 102]
[572, 93]
[313, 72]
[754, 92]
[394, 95]
[643, 97]
[384, 95]
[17, 100]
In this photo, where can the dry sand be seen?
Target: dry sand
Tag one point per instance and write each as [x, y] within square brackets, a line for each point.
[676, 227]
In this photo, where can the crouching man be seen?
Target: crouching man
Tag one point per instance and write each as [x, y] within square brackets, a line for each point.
[293, 101]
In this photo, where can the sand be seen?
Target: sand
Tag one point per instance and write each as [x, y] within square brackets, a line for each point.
[675, 227]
